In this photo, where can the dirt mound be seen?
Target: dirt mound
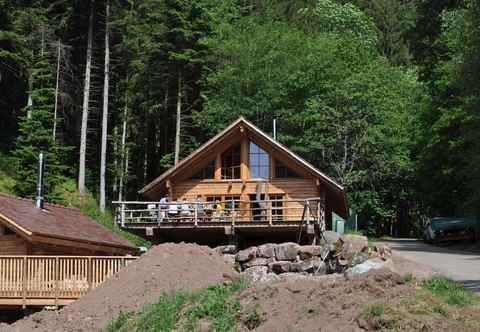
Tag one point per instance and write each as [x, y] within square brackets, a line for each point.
[164, 268]
[323, 305]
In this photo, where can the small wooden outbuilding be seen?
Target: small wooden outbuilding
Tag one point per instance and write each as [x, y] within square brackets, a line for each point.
[53, 230]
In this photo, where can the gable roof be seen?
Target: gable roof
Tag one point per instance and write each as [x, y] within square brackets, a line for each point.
[250, 126]
[55, 221]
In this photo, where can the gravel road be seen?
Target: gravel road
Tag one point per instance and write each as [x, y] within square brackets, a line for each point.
[459, 264]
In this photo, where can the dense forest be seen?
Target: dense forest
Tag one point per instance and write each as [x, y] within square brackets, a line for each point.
[382, 95]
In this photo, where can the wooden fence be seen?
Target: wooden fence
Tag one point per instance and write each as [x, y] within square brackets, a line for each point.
[29, 280]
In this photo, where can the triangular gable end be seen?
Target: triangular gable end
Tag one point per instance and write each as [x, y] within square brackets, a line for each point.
[225, 139]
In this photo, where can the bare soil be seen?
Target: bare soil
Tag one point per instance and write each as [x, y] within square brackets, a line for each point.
[163, 269]
[343, 305]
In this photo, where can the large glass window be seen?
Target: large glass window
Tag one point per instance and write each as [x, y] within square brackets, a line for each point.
[277, 207]
[282, 171]
[208, 172]
[259, 163]
[231, 163]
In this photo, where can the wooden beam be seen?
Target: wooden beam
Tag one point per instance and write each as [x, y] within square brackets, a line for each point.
[244, 151]
[218, 167]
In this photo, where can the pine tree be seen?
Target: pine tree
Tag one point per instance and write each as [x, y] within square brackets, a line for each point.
[36, 136]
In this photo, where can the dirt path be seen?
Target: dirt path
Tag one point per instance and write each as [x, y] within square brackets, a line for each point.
[456, 263]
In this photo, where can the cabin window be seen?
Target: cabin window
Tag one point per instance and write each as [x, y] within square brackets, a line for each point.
[282, 171]
[231, 163]
[211, 200]
[232, 202]
[208, 172]
[259, 163]
[277, 207]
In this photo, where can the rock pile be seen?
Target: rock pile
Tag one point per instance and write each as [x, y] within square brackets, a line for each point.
[349, 254]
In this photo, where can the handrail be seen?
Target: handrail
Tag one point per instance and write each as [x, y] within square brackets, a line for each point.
[55, 277]
[231, 211]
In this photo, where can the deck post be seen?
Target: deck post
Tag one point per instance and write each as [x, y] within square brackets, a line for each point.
[270, 213]
[195, 214]
[89, 273]
[122, 214]
[159, 214]
[57, 281]
[24, 283]
[307, 216]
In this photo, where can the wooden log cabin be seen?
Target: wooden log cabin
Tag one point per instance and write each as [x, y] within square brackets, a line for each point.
[264, 192]
[52, 255]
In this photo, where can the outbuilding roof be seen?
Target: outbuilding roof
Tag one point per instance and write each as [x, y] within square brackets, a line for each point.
[56, 222]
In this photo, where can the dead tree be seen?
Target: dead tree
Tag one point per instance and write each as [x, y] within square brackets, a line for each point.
[86, 99]
[103, 157]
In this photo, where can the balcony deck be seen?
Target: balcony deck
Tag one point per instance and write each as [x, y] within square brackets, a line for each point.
[260, 217]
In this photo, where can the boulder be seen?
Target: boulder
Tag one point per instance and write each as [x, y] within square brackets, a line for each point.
[383, 251]
[266, 250]
[307, 252]
[255, 273]
[257, 261]
[246, 255]
[369, 265]
[329, 237]
[356, 258]
[279, 267]
[313, 265]
[287, 251]
[358, 242]
[229, 259]
[228, 249]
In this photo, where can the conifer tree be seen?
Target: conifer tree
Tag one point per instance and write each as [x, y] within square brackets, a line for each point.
[35, 136]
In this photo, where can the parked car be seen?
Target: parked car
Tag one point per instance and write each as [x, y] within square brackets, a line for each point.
[446, 229]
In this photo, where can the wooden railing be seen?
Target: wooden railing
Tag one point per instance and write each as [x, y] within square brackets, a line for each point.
[54, 277]
[229, 211]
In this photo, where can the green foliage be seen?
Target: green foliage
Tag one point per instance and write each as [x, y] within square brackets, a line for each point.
[184, 310]
[449, 291]
[375, 310]
[68, 195]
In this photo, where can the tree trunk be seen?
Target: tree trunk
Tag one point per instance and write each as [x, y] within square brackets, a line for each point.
[179, 120]
[124, 161]
[103, 157]
[56, 91]
[30, 89]
[86, 99]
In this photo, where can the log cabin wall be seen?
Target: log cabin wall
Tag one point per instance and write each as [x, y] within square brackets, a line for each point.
[12, 245]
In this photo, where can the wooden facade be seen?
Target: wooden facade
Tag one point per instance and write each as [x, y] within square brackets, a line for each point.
[244, 170]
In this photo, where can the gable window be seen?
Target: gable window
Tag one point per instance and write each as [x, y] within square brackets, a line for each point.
[208, 172]
[231, 163]
[259, 163]
[282, 171]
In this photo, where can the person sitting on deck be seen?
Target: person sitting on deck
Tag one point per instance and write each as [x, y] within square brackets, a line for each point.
[163, 208]
[185, 209]
[173, 210]
[218, 214]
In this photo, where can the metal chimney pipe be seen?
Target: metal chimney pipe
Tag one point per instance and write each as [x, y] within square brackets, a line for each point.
[39, 200]
[274, 129]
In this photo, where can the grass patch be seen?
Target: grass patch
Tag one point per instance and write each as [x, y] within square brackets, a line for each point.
[449, 291]
[68, 196]
[185, 310]
[409, 278]
[375, 310]
[7, 181]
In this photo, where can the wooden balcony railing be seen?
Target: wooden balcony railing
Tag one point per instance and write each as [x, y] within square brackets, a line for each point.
[50, 280]
[226, 212]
